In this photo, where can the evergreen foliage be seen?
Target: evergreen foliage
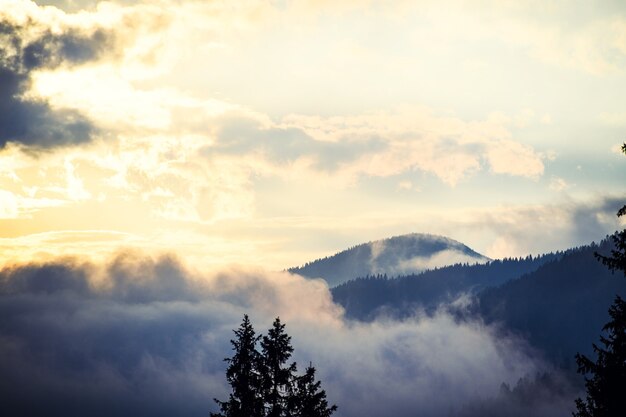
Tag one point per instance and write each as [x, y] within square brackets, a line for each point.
[558, 308]
[276, 376]
[365, 298]
[242, 374]
[264, 384]
[309, 400]
[605, 389]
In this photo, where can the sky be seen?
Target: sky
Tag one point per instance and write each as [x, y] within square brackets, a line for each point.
[162, 162]
[271, 133]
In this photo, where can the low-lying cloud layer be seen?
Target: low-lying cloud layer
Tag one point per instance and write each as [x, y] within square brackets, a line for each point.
[146, 337]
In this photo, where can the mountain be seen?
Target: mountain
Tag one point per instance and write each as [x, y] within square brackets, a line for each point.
[561, 307]
[557, 302]
[365, 298]
[399, 255]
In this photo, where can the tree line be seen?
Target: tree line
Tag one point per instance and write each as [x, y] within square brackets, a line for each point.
[263, 381]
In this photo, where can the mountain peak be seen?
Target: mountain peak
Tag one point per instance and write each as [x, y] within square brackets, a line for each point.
[397, 255]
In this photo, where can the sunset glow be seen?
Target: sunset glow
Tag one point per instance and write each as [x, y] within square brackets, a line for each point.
[272, 133]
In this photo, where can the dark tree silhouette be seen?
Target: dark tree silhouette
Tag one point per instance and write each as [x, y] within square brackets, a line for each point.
[276, 376]
[617, 260]
[245, 399]
[262, 383]
[309, 400]
[605, 389]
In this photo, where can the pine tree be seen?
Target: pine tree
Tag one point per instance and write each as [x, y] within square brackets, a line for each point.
[605, 389]
[277, 377]
[309, 400]
[245, 399]
[263, 385]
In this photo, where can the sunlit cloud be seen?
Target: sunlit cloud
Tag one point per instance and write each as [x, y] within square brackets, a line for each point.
[558, 184]
[253, 127]
[450, 148]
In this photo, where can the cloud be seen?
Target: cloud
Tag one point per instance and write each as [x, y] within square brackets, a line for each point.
[416, 139]
[343, 150]
[514, 158]
[558, 184]
[32, 46]
[283, 145]
[409, 255]
[407, 186]
[203, 164]
[538, 229]
[14, 206]
[445, 257]
[187, 156]
[147, 336]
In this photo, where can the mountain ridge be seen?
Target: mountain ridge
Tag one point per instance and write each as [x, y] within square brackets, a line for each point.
[557, 301]
[364, 298]
[393, 256]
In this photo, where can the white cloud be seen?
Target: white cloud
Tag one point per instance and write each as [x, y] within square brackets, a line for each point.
[514, 158]
[9, 206]
[14, 206]
[558, 184]
[450, 148]
[407, 186]
[447, 257]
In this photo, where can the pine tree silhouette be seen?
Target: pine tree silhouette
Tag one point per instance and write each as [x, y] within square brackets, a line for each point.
[605, 389]
[276, 376]
[242, 374]
[262, 383]
[309, 400]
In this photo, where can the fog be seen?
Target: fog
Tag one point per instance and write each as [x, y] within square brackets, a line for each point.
[146, 336]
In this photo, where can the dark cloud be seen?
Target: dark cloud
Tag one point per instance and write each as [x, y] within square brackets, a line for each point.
[594, 221]
[25, 48]
[146, 337]
[70, 348]
[542, 229]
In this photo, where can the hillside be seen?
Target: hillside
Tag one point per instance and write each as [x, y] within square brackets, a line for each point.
[399, 255]
[365, 298]
[558, 302]
[561, 307]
